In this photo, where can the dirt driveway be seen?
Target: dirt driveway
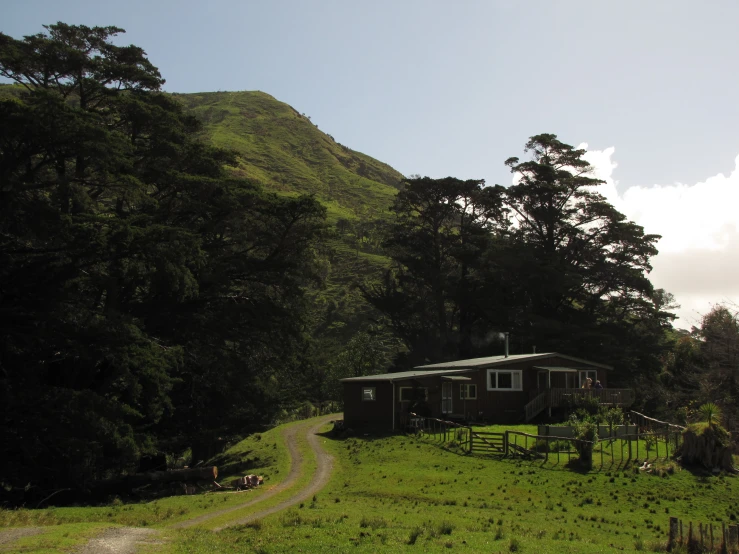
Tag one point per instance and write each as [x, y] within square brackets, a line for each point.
[320, 477]
[125, 540]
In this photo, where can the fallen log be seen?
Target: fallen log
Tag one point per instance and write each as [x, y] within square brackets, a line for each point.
[130, 482]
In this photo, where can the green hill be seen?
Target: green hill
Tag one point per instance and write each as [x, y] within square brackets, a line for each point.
[281, 149]
[286, 153]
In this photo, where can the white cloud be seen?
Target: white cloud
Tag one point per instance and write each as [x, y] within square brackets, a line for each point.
[699, 223]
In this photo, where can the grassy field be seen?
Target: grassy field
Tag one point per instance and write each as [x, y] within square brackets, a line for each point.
[402, 493]
[286, 152]
[266, 454]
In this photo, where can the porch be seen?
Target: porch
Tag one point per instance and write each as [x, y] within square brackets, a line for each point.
[547, 398]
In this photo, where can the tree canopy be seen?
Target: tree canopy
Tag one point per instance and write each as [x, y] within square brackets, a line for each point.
[548, 259]
[146, 295]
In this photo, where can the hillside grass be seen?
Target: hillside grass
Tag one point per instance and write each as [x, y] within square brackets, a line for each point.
[406, 493]
[63, 538]
[267, 456]
[398, 493]
[284, 151]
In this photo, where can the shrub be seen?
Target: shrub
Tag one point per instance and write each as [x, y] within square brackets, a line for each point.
[710, 413]
[373, 523]
[586, 433]
[445, 528]
[415, 533]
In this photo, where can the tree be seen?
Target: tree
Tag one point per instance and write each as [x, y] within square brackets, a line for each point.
[718, 373]
[586, 265]
[440, 231]
[145, 293]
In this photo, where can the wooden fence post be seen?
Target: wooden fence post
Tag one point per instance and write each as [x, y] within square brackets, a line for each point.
[469, 430]
[673, 534]
[667, 441]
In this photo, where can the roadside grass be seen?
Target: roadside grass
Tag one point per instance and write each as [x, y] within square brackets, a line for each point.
[308, 468]
[262, 453]
[57, 539]
[396, 493]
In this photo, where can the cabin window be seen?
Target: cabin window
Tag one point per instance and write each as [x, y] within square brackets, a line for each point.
[369, 394]
[411, 394]
[467, 392]
[585, 374]
[504, 379]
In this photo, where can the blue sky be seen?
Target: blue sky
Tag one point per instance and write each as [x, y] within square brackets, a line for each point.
[454, 88]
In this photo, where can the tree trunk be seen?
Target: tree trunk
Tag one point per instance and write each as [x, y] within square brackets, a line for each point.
[702, 449]
[131, 482]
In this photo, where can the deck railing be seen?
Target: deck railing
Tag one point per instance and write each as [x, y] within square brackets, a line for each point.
[615, 397]
[557, 398]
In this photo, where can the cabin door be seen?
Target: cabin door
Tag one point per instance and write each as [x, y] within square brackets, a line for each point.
[542, 380]
[446, 398]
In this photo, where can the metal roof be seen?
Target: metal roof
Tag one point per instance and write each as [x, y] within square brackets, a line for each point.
[558, 369]
[403, 375]
[491, 361]
[455, 378]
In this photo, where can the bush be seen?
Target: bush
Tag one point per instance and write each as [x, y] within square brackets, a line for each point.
[373, 523]
[445, 528]
[583, 406]
[415, 533]
[586, 433]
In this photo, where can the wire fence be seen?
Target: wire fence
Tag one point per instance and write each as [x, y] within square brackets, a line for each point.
[704, 537]
[646, 440]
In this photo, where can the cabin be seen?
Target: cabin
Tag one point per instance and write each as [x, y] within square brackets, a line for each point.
[497, 389]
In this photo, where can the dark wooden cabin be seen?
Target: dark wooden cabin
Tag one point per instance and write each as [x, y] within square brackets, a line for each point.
[496, 389]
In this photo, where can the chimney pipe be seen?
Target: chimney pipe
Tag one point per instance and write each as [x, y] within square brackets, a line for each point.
[534, 349]
[506, 344]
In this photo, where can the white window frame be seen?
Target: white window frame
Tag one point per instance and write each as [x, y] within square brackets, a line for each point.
[372, 394]
[401, 389]
[583, 374]
[464, 391]
[516, 375]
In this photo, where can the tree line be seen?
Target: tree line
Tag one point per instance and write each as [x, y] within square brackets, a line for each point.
[547, 259]
[148, 298]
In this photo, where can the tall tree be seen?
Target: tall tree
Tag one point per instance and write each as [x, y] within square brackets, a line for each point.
[587, 265]
[143, 291]
[440, 231]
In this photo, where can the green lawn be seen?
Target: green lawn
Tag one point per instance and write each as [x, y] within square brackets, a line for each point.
[402, 493]
[405, 493]
[267, 455]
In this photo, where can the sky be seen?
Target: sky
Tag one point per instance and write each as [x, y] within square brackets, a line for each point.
[441, 88]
